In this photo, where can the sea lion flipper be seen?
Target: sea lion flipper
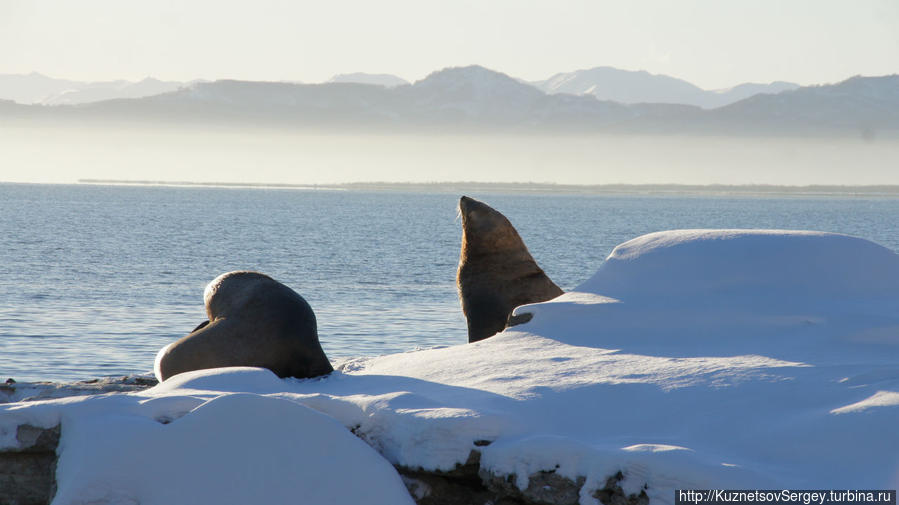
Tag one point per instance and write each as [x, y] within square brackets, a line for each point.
[516, 319]
[201, 325]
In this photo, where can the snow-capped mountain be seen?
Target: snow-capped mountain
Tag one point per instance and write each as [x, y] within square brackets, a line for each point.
[35, 88]
[604, 83]
[99, 91]
[630, 87]
[477, 98]
[473, 92]
[607, 83]
[32, 88]
[386, 80]
[748, 89]
[467, 96]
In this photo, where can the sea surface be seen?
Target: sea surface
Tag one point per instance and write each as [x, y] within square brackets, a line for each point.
[95, 279]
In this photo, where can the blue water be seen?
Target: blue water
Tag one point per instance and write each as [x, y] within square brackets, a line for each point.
[95, 279]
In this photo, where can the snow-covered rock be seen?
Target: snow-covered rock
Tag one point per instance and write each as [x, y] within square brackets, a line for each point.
[692, 359]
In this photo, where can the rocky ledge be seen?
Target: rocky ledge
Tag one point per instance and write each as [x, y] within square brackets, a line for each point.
[28, 470]
[12, 391]
[470, 484]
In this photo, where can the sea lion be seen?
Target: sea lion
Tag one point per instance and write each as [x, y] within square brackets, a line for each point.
[496, 271]
[254, 320]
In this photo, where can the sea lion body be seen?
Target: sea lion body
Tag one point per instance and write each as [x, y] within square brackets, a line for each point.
[254, 320]
[496, 272]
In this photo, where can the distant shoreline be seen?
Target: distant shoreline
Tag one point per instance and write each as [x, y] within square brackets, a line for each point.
[536, 188]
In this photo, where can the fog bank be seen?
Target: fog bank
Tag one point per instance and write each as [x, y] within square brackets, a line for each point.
[65, 154]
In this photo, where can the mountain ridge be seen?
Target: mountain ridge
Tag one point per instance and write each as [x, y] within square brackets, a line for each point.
[36, 88]
[634, 87]
[476, 98]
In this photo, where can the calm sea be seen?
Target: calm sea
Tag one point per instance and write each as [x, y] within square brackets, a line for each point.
[95, 279]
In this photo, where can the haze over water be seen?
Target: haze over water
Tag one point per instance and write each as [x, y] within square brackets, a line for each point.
[66, 154]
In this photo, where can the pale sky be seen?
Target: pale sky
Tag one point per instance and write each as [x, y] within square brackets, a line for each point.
[711, 43]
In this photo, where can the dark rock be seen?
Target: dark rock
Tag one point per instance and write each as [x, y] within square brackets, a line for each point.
[138, 380]
[434, 488]
[612, 494]
[28, 472]
[459, 486]
[544, 488]
[35, 439]
[468, 484]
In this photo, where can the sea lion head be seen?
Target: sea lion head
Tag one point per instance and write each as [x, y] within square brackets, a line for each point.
[231, 292]
[485, 230]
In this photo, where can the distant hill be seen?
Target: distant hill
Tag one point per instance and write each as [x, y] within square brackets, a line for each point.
[386, 80]
[604, 83]
[32, 88]
[99, 91]
[748, 89]
[35, 88]
[864, 104]
[475, 95]
[629, 87]
[453, 98]
[475, 98]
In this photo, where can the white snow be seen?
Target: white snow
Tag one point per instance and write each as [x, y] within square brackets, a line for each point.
[691, 359]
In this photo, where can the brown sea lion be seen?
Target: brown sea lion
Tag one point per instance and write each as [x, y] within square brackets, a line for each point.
[254, 320]
[496, 271]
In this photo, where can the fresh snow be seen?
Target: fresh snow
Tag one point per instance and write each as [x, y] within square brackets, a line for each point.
[691, 359]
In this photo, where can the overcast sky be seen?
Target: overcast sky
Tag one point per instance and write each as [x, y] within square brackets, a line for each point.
[712, 43]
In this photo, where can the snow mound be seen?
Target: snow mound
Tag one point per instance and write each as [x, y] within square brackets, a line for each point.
[232, 448]
[727, 265]
[794, 295]
[692, 359]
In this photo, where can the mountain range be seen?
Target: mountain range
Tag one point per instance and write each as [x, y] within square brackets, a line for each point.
[35, 88]
[476, 98]
[605, 83]
[628, 87]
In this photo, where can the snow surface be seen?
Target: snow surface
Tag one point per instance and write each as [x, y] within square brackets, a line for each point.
[691, 359]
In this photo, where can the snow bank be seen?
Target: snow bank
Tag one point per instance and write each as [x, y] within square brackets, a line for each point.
[178, 444]
[234, 448]
[692, 359]
[791, 294]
